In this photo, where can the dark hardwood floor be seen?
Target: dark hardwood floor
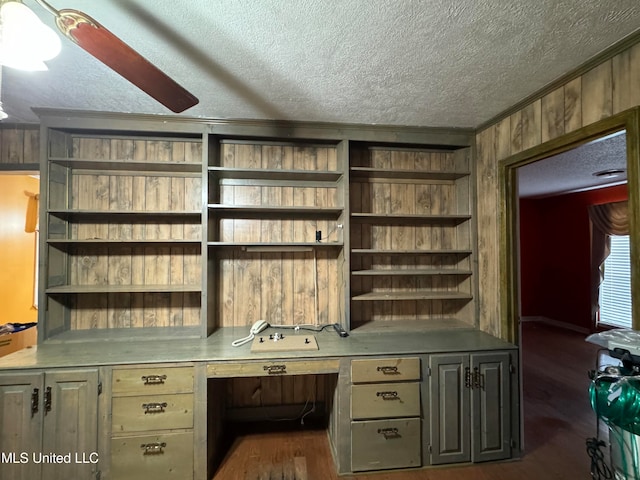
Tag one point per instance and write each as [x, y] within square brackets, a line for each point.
[557, 421]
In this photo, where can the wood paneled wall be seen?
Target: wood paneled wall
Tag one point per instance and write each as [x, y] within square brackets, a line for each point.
[607, 89]
[20, 145]
[285, 288]
[135, 265]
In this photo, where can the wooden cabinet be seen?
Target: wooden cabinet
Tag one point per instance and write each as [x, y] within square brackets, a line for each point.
[470, 407]
[385, 419]
[120, 234]
[46, 414]
[411, 241]
[152, 422]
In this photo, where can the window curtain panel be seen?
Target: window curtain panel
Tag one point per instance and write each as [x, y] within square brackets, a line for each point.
[606, 219]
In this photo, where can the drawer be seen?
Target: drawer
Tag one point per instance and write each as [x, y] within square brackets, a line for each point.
[159, 457]
[385, 370]
[382, 444]
[385, 400]
[151, 380]
[152, 412]
[260, 369]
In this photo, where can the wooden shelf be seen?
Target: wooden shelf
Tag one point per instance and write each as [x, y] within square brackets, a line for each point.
[378, 251]
[133, 334]
[109, 242]
[418, 295]
[262, 211]
[118, 215]
[84, 289]
[275, 174]
[384, 173]
[411, 219]
[408, 326]
[411, 272]
[140, 168]
[274, 246]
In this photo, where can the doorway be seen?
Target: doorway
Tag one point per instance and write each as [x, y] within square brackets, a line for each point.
[511, 260]
[18, 247]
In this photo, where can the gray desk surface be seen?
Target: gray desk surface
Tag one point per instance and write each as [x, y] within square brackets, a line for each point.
[217, 348]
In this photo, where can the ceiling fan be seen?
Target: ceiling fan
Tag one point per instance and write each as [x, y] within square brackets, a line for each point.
[120, 57]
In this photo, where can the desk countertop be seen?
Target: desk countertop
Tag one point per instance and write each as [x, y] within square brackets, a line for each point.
[217, 348]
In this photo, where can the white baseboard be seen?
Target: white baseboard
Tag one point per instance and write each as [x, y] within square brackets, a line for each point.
[555, 323]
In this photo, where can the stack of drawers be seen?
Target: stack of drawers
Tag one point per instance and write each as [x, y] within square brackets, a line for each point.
[152, 423]
[385, 413]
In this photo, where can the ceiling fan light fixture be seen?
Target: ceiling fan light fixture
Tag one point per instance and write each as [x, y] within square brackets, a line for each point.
[25, 42]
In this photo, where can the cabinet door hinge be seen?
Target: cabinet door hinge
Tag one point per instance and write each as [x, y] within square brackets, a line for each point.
[428, 371]
[99, 388]
[430, 449]
[512, 443]
[512, 368]
[98, 475]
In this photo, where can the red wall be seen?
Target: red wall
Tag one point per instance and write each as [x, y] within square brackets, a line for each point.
[555, 243]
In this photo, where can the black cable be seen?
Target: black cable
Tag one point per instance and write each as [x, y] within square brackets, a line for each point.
[599, 468]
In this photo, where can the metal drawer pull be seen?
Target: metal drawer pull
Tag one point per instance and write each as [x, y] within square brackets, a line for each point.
[467, 378]
[388, 433]
[388, 370]
[388, 395]
[275, 369]
[154, 407]
[47, 400]
[153, 448]
[154, 379]
[478, 379]
[35, 399]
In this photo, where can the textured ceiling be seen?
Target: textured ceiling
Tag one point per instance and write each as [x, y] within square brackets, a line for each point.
[572, 171]
[398, 62]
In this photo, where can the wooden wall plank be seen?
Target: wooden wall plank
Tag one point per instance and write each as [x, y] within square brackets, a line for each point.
[607, 89]
[573, 105]
[597, 97]
[531, 125]
[488, 252]
[552, 115]
[626, 79]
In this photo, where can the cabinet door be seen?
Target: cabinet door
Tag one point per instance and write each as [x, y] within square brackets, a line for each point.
[70, 411]
[491, 407]
[450, 409]
[20, 425]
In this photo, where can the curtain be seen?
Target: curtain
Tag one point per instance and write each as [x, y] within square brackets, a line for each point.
[606, 219]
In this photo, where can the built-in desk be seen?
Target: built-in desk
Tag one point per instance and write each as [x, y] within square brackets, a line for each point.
[464, 370]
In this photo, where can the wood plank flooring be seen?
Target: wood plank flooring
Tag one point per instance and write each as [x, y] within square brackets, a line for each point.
[557, 421]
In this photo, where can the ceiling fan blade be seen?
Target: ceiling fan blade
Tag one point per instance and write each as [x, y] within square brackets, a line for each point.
[117, 55]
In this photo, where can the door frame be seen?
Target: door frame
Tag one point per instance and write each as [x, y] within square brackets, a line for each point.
[628, 120]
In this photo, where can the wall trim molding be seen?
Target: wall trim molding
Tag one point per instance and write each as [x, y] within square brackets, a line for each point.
[607, 54]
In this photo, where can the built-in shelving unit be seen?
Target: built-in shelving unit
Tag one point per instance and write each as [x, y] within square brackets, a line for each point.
[275, 231]
[157, 225]
[411, 248]
[121, 232]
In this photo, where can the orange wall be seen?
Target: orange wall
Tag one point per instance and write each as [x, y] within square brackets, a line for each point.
[17, 251]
